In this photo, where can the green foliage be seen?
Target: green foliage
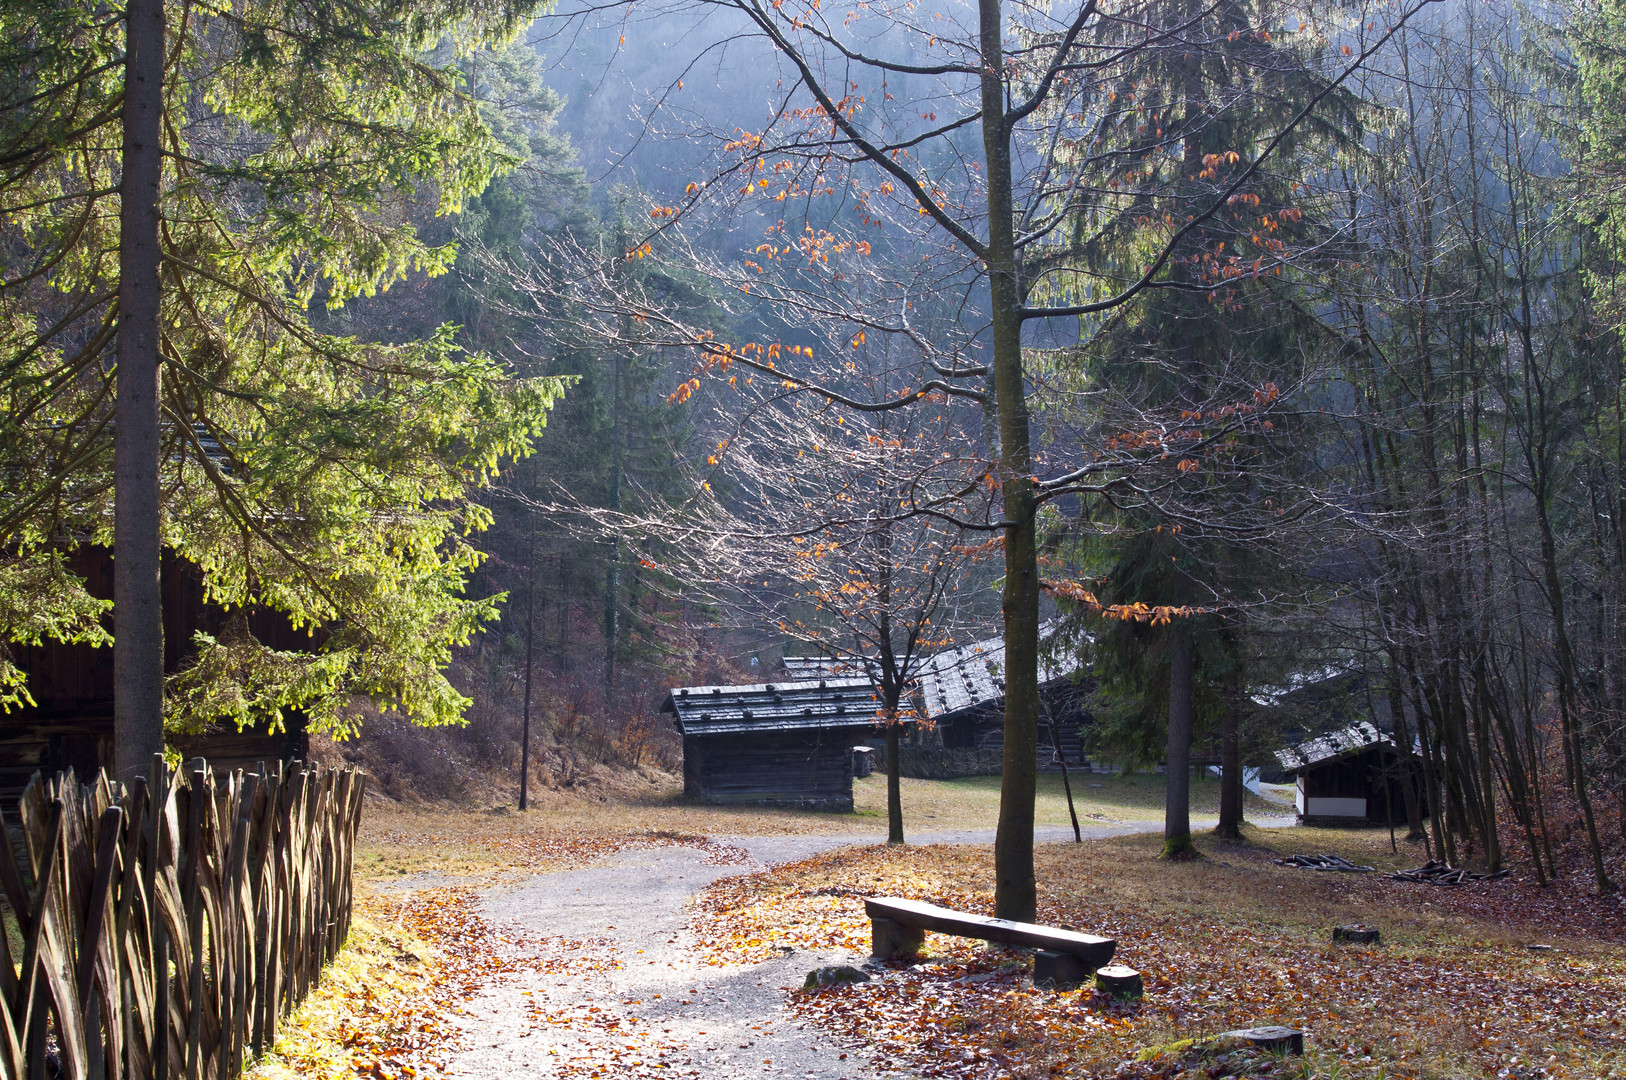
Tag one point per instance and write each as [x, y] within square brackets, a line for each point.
[314, 473]
[1599, 41]
[40, 601]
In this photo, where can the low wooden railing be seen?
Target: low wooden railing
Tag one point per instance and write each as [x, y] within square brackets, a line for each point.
[168, 925]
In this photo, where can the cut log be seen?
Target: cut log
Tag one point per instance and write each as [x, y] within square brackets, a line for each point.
[1438, 872]
[1356, 934]
[1120, 980]
[1278, 1040]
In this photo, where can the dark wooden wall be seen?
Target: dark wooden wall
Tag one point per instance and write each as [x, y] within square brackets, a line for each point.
[71, 723]
[811, 769]
[1365, 775]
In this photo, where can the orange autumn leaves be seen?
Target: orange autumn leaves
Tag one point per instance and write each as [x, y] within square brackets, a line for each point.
[1155, 614]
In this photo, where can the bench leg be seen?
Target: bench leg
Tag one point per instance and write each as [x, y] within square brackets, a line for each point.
[1059, 970]
[894, 941]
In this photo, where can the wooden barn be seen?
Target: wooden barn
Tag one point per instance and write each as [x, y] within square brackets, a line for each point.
[1352, 776]
[961, 691]
[71, 723]
[785, 744]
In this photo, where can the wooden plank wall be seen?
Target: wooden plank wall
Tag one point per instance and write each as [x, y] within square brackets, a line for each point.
[806, 768]
[168, 926]
[71, 724]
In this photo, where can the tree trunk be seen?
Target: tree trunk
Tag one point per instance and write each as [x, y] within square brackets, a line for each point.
[612, 573]
[1230, 814]
[1177, 773]
[1408, 770]
[1015, 893]
[138, 619]
[894, 789]
[1061, 759]
[530, 655]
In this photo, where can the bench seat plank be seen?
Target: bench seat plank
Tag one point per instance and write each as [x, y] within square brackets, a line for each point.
[1094, 951]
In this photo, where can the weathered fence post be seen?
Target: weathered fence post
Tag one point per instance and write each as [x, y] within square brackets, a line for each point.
[240, 882]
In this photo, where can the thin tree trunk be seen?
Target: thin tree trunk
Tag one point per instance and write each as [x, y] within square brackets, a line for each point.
[1061, 759]
[612, 573]
[1177, 773]
[1230, 812]
[138, 619]
[1403, 742]
[894, 786]
[530, 653]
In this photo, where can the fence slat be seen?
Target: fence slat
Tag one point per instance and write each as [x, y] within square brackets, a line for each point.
[239, 884]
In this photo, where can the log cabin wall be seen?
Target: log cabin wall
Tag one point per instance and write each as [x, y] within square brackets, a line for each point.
[783, 744]
[71, 723]
[810, 769]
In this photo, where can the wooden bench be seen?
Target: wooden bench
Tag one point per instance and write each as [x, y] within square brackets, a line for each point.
[1064, 958]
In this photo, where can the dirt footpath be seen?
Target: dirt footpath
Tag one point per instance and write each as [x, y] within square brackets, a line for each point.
[606, 980]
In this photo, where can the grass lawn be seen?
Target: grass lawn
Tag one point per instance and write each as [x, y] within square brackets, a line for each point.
[973, 802]
[562, 829]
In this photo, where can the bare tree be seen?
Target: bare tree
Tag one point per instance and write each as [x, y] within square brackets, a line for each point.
[986, 152]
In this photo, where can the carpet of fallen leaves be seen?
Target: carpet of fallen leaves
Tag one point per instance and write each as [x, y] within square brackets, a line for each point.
[1230, 941]
[388, 1008]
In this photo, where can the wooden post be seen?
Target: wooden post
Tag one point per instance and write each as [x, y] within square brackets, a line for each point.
[894, 941]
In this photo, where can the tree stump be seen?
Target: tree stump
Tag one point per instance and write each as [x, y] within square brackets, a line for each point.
[894, 941]
[1058, 970]
[1120, 981]
[1355, 934]
[1278, 1040]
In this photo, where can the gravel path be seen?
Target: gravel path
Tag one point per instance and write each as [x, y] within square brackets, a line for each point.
[660, 1011]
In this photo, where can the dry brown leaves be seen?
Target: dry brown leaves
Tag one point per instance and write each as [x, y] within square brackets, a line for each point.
[402, 1022]
[1451, 1000]
[415, 1035]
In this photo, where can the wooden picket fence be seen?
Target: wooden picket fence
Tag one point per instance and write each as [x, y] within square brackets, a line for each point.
[168, 925]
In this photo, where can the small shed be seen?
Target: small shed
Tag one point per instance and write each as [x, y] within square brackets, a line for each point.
[784, 744]
[962, 692]
[1351, 776]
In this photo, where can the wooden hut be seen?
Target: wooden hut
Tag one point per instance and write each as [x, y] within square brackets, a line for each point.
[961, 692]
[70, 726]
[1351, 776]
[784, 744]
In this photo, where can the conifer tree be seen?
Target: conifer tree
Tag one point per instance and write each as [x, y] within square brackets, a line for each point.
[315, 474]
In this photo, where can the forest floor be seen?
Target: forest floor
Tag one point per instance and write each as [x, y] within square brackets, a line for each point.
[647, 938]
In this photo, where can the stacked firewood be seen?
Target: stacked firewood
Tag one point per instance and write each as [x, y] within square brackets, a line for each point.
[1440, 872]
[1325, 862]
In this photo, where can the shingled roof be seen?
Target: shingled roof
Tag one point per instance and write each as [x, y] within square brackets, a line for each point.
[973, 675]
[790, 706]
[1335, 744]
[808, 668]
